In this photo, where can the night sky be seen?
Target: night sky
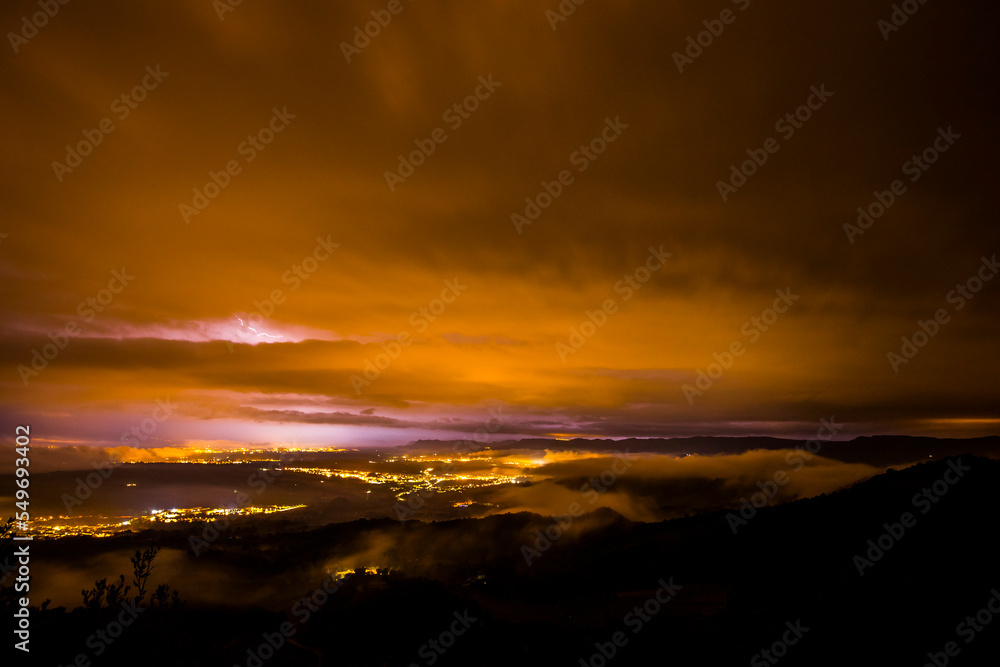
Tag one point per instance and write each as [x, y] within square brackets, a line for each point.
[296, 234]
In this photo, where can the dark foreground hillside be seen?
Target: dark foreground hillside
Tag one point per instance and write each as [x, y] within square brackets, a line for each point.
[800, 581]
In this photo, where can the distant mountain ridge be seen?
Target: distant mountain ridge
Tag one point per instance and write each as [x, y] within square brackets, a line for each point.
[878, 450]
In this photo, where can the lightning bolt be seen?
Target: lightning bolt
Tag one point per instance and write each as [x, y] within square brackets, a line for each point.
[259, 333]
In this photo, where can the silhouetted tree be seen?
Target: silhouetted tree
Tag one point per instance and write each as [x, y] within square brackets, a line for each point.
[104, 594]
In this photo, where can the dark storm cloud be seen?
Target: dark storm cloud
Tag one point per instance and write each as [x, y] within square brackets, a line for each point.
[324, 177]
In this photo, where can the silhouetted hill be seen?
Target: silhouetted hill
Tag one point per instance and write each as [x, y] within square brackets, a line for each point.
[881, 450]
